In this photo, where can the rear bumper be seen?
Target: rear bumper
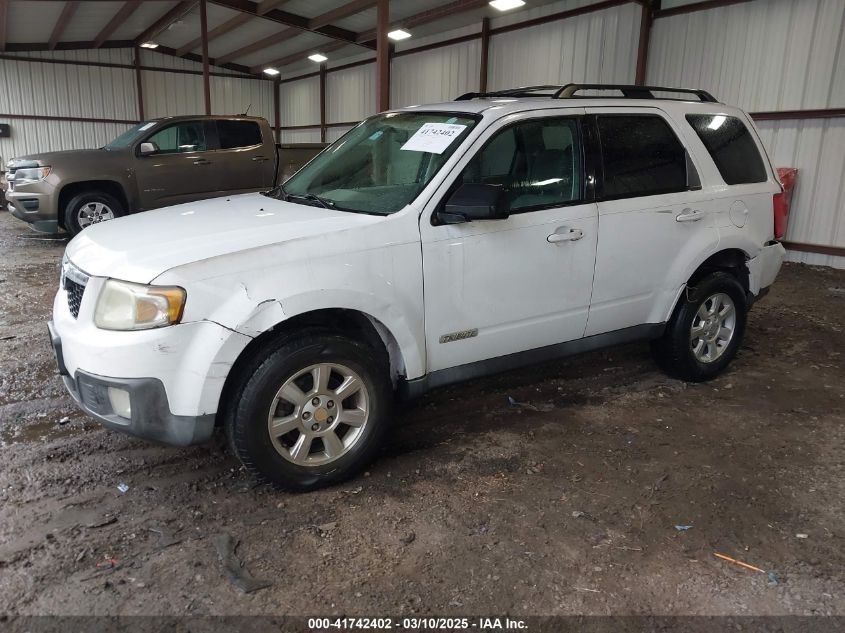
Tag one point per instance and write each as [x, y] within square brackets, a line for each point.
[150, 415]
[764, 268]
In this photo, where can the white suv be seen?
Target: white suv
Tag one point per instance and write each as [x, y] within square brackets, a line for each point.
[429, 245]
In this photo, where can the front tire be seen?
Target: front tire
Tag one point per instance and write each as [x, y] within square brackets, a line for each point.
[705, 330]
[89, 208]
[311, 411]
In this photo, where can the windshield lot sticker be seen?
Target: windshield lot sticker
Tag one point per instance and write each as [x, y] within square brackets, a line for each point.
[433, 138]
[147, 126]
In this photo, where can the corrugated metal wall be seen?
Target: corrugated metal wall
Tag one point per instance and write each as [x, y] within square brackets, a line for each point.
[64, 90]
[596, 47]
[440, 74]
[771, 55]
[350, 94]
[300, 105]
[817, 148]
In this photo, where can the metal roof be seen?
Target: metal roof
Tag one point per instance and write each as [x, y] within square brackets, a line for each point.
[248, 25]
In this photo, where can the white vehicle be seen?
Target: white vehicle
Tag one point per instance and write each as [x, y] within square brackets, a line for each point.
[429, 245]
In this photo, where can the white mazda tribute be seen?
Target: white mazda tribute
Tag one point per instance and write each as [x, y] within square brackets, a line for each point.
[429, 245]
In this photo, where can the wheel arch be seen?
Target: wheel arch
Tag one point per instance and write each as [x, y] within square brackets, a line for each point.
[111, 187]
[353, 323]
[732, 260]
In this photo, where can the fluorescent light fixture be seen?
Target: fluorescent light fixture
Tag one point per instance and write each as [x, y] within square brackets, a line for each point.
[506, 5]
[271, 71]
[318, 57]
[398, 35]
[717, 122]
[149, 45]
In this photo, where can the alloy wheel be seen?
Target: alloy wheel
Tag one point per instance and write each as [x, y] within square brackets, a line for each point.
[319, 414]
[713, 327]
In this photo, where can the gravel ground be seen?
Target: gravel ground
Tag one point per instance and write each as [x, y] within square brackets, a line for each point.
[564, 504]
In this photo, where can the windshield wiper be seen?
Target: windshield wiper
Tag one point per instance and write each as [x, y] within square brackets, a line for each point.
[278, 189]
[324, 202]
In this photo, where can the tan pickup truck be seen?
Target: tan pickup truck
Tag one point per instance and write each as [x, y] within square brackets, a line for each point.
[153, 164]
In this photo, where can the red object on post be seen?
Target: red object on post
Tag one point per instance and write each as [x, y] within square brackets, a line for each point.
[783, 200]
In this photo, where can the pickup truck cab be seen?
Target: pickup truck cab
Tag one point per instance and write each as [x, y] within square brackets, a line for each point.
[153, 164]
[429, 245]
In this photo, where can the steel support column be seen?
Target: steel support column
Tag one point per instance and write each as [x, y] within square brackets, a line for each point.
[485, 52]
[206, 85]
[139, 84]
[382, 56]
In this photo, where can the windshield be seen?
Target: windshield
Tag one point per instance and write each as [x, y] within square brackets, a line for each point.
[129, 136]
[381, 165]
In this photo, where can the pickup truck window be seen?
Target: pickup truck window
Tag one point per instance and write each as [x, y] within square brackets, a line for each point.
[185, 136]
[538, 163]
[234, 134]
[381, 165]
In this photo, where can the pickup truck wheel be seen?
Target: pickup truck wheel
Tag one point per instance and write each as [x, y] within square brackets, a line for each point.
[705, 331]
[91, 207]
[312, 413]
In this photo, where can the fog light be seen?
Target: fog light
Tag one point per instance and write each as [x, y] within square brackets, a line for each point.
[119, 399]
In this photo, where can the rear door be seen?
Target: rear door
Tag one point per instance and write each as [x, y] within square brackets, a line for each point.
[244, 161]
[653, 217]
[179, 170]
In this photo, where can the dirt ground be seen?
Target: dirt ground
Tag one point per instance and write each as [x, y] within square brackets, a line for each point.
[564, 504]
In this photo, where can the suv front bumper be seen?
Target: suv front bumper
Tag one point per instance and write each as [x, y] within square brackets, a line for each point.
[150, 413]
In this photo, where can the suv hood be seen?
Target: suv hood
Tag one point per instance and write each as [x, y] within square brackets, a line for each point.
[140, 247]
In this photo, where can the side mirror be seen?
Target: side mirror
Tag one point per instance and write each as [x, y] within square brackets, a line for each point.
[475, 202]
[147, 148]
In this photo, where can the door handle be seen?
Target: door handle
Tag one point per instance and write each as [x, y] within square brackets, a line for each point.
[202, 161]
[689, 215]
[567, 236]
[259, 159]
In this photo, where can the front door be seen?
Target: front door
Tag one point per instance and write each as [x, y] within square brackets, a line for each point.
[496, 287]
[180, 170]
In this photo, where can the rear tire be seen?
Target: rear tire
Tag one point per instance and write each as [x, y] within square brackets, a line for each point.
[89, 208]
[705, 330]
[310, 411]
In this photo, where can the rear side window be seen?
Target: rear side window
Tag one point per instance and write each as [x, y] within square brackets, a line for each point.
[234, 134]
[731, 146]
[641, 156]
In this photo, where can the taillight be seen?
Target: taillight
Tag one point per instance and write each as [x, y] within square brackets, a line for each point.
[781, 211]
[782, 201]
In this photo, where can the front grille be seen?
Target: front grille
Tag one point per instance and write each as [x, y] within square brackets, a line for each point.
[74, 296]
[74, 282]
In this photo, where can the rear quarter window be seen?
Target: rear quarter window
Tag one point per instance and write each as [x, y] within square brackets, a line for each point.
[731, 147]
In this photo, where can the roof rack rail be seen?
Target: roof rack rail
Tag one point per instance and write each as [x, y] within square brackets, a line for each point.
[568, 92]
[525, 91]
[630, 91]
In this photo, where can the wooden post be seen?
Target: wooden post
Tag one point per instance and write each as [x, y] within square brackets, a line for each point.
[485, 50]
[206, 85]
[139, 84]
[277, 108]
[382, 56]
[323, 102]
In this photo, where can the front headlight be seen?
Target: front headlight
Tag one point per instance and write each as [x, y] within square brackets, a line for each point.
[127, 306]
[29, 175]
